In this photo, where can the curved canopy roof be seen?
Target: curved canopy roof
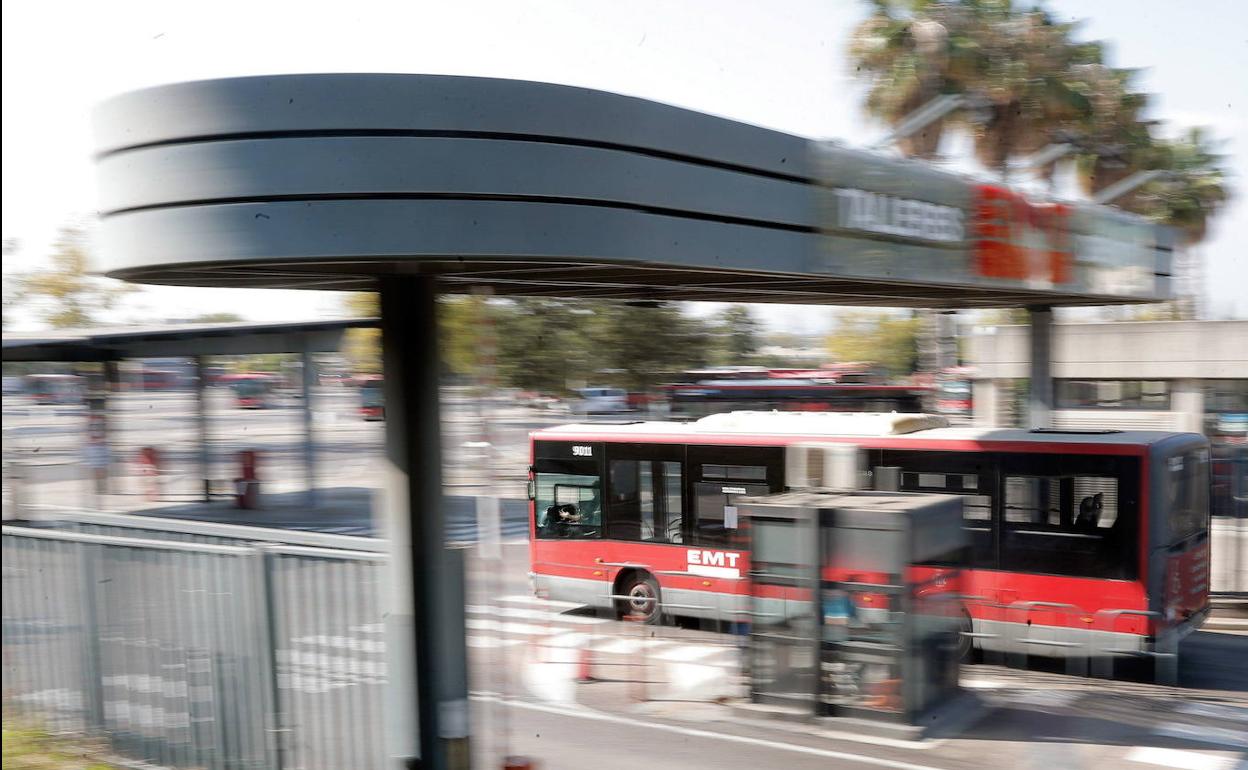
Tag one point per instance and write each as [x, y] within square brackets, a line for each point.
[326, 181]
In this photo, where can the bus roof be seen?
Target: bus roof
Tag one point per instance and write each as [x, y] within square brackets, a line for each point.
[786, 426]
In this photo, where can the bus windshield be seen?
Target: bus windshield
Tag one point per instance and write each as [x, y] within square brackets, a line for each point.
[1187, 493]
[370, 395]
[250, 388]
[568, 505]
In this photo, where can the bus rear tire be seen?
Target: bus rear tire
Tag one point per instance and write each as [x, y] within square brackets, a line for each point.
[642, 603]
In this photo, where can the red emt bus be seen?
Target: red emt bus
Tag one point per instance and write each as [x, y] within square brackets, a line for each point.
[1071, 533]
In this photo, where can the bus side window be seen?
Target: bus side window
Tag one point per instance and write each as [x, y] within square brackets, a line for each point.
[645, 503]
[969, 476]
[1071, 515]
[673, 506]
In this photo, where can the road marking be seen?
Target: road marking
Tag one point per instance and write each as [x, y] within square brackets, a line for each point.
[1218, 735]
[523, 599]
[1179, 760]
[477, 624]
[517, 612]
[490, 642]
[634, 722]
[1214, 710]
[982, 684]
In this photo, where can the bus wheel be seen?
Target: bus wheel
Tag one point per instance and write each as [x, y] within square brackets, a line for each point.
[642, 591]
[966, 643]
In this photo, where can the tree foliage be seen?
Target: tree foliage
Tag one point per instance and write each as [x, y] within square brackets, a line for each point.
[738, 335]
[550, 345]
[1028, 82]
[66, 294]
[887, 340]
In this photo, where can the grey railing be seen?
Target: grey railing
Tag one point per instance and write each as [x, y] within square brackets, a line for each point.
[195, 654]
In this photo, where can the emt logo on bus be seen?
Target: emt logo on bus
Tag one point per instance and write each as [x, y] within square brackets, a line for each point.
[721, 564]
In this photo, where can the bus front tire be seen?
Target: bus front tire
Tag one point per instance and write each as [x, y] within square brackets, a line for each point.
[642, 603]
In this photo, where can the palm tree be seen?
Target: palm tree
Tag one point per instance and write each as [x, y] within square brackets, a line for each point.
[1023, 76]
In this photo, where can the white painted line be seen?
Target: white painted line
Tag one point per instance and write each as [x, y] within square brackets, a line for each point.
[477, 624]
[634, 722]
[522, 599]
[982, 684]
[1179, 760]
[1214, 711]
[490, 642]
[618, 647]
[518, 612]
[687, 653]
[1216, 735]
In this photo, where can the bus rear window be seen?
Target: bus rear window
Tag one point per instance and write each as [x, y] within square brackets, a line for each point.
[1187, 493]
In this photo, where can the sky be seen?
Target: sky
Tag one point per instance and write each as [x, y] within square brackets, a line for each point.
[780, 65]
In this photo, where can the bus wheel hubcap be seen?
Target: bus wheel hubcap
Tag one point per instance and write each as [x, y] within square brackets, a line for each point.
[640, 601]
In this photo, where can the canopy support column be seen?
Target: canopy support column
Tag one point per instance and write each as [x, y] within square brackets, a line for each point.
[309, 438]
[425, 644]
[1040, 395]
[201, 423]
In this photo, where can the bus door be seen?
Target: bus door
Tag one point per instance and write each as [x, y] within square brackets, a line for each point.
[1181, 542]
[719, 477]
[974, 477]
[644, 520]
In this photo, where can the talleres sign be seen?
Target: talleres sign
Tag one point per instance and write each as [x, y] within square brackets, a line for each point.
[907, 220]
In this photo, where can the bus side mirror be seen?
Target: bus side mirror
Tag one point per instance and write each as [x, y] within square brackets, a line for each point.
[532, 490]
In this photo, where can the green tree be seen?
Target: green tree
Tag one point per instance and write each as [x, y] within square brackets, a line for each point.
[542, 344]
[67, 294]
[887, 340]
[11, 247]
[217, 318]
[362, 347]
[738, 335]
[1020, 72]
[639, 346]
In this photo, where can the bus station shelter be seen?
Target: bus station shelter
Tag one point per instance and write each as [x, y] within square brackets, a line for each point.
[414, 185]
[108, 347]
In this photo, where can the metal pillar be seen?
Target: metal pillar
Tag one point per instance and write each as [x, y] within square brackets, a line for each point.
[309, 440]
[1040, 395]
[112, 386]
[427, 701]
[201, 422]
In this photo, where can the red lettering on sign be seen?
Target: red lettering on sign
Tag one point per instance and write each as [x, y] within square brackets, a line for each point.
[1014, 239]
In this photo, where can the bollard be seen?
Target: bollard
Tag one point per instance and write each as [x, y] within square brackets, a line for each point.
[149, 467]
[247, 485]
[584, 666]
[643, 670]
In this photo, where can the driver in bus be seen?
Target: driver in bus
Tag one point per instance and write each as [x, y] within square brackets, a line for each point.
[562, 517]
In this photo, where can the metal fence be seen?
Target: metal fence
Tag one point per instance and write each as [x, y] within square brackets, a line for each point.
[194, 654]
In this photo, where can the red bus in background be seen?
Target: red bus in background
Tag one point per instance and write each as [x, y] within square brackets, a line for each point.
[791, 394]
[252, 390]
[953, 391]
[372, 398]
[55, 388]
[1070, 532]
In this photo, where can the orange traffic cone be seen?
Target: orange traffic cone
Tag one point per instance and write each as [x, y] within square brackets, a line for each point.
[584, 668]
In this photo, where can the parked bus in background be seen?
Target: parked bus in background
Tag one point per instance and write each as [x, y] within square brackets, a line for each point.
[791, 394]
[953, 391]
[55, 388]
[1070, 532]
[251, 390]
[372, 398]
[159, 379]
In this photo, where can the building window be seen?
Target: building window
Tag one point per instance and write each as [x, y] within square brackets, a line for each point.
[1112, 394]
